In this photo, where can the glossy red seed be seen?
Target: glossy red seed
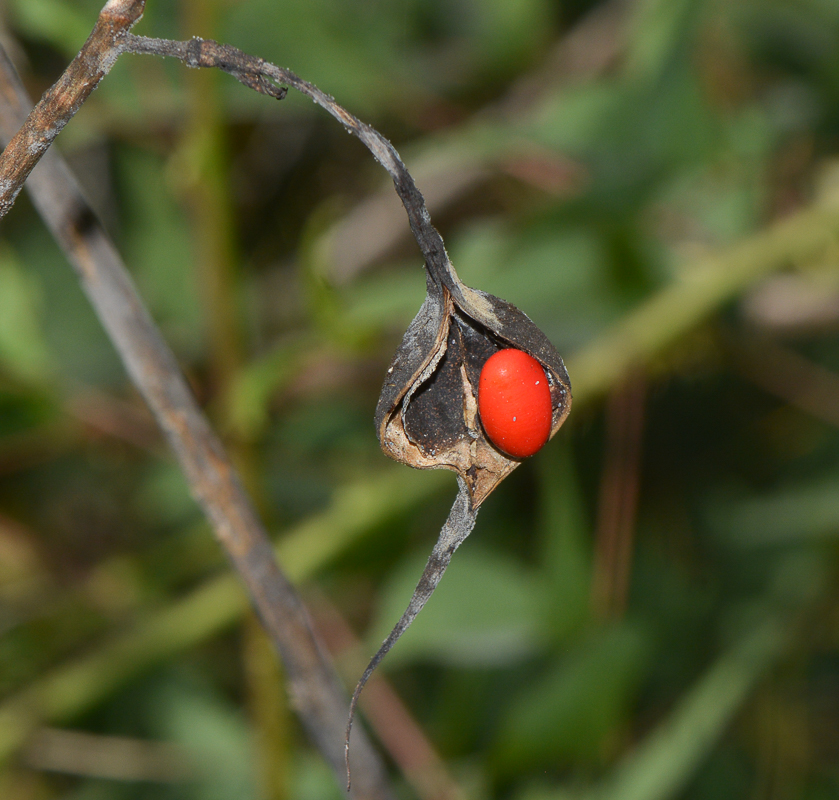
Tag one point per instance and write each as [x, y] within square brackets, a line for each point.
[514, 402]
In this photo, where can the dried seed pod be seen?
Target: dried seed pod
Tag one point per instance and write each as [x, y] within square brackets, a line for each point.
[427, 415]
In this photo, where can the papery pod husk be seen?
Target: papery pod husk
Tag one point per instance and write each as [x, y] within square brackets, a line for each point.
[427, 414]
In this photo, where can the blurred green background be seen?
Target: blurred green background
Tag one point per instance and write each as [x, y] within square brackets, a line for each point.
[649, 608]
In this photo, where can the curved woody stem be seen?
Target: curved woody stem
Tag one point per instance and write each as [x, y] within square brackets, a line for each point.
[458, 526]
[269, 79]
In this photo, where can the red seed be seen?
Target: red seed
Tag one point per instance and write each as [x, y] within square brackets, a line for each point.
[514, 401]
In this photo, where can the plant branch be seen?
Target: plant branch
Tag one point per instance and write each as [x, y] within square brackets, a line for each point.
[65, 97]
[456, 528]
[313, 684]
[267, 78]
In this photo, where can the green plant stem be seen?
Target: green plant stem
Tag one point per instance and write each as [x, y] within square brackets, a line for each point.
[703, 288]
[204, 152]
[662, 764]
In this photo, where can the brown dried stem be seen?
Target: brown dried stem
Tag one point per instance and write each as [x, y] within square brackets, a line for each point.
[457, 527]
[65, 97]
[398, 731]
[619, 489]
[313, 685]
[267, 78]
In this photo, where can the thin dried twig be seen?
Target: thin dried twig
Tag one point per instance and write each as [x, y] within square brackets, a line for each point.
[398, 731]
[618, 498]
[60, 103]
[457, 527]
[314, 687]
[267, 78]
[372, 227]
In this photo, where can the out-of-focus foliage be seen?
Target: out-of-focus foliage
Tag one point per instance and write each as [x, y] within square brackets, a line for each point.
[647, 609]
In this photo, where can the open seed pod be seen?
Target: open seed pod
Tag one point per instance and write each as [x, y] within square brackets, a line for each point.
[427, 414]
[428, 411]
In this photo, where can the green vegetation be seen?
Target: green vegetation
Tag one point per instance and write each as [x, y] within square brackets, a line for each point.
[647, 609]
